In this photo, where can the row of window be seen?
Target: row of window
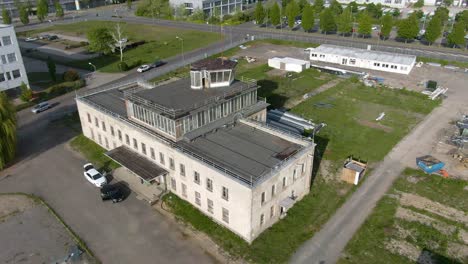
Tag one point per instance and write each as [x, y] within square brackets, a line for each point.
[6, 40]
[384, 65]
[162, 161]
[15, 74]
[153, 119]
[9, 58]
[315, 55]
[272, 214]
[298, 172]
[209, 202]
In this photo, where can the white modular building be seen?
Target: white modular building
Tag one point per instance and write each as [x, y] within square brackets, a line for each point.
[288, 64]
[12, 71]
[361, 58]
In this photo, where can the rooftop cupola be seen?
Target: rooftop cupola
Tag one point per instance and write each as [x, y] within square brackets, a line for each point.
[212, 73]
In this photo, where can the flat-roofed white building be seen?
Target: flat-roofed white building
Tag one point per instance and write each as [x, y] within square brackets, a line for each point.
[288, 64]
[362, 58]
[208, 144]
[12, 71]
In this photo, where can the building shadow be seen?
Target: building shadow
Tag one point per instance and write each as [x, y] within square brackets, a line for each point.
[267, 88]
[434, 257]
[322, 143]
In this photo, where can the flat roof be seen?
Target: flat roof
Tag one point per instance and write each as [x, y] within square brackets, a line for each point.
[243, 149]
[213, 64]
[290, 60]
[178, 95]
[141, 166]
[366, 54]
[112, 100]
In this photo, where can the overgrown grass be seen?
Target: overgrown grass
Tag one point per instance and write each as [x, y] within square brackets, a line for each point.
[93, 153]
[444, 62]
[349, 110]
[160, 43]
[368, 244]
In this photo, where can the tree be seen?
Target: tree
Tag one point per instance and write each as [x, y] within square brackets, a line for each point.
[23, 15]
[396, 12]
[354, 7]
[7, 130]
[448, 2]
[408, 28]
[6, 16]
[318, 6]
[433, 30]
[58, 10]
[197, 15]
[26, 93]
[365, 24]
[42, 9]
[292, 11]
[387, 24]
[129, 4]
[99, 39]
[457, 36]
[308, 18]
[118, 40]
[419, 4]
[327, 21]
[442, 13]
[259, 13]
[336, 7]
[344, 21]
[52, 69]
[302, 4]
[463, 17]
[275, 14]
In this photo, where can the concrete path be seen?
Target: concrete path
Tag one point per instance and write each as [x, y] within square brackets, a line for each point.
[326, 246]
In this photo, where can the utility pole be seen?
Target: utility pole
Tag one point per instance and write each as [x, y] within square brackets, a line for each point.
[183, 55]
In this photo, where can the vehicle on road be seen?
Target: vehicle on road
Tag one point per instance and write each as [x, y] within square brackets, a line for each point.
[94, 176]
[143, 68]
[111, 192]
[375, 28]
[52, 37]
[29, 39]
[40, 107]
[157, 64]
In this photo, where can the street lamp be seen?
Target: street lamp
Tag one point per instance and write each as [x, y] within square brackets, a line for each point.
[182, 41]
[94, 66]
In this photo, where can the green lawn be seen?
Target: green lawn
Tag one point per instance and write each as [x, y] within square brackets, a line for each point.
[93, 152]
[349, 110]
[42, 79]
[367, 245]
[160, 43]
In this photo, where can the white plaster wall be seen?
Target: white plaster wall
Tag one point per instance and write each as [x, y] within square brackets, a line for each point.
[17, 65]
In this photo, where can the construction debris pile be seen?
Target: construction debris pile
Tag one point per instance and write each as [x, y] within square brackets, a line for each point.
[433, 90]
[461, 138]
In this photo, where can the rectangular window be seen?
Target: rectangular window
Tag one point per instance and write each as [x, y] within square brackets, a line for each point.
[143, 148]
[103, 126]
[8, 75]
[2, 77]
[16, 74]
[197, 198]
[127, 139]
[107, 142]
[182, 169]
[99, 139]
[112, 131]
[135, 144]
[4, 61]
[294, 174]
[284, 182]
[225, 215]
[262, 219]
[263, 198]
[119, 134]
[173, 184]
[11, 57]
[209, 185]
[196, 177]
[92, 133]
[210, 205]
[96, 122]
[89, 118]
[225, 194]
[273, 190]
[152, 153]
[6, 40]
[184, 190]
[171, 164]
[272, 211]
[161, 158]
[113, 144]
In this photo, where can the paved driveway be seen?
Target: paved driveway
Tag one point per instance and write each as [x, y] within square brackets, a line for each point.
[128, 232]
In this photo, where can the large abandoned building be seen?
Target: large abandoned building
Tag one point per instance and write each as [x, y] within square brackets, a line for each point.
[204, 138]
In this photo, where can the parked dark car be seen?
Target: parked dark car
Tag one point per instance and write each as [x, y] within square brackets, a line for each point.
[111, 192]
[157, 64]
[52, 37]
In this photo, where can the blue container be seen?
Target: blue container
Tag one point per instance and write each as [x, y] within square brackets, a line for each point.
[429, 164]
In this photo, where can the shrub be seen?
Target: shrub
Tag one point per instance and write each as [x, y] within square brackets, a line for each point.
[26, 93]
[65, 87]
[122, 66]
[71, 75]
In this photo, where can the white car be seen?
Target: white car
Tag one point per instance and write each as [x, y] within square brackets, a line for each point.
[40, 107]
[29, 39]
[375, 28]
[143, 68]
[94, 176]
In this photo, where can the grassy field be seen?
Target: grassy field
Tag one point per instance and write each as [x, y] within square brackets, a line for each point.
[93, 153]
[369, 243]
[350, 109]
[160, 43]
[42, 79]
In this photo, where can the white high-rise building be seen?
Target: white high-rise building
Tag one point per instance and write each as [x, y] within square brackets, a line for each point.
[12, 71]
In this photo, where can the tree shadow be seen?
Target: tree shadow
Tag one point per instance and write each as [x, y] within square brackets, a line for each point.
[435, 257]
[322, 143]
[267, 88]
[404, 40]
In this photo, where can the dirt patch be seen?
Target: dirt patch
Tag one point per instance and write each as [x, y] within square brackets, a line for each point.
[265, 51]
[328, 172]
[463, 236]
[423, 203]
[403, 233]
[458, 251]
[414, 179]
[403, 248]
[371, 124]
[11, 204]
[412, 216]
[276, 72]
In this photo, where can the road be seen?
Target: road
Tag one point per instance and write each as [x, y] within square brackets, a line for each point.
[127, 232]
[326, 245]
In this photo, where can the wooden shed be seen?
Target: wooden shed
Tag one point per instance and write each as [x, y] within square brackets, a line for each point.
[353, 171]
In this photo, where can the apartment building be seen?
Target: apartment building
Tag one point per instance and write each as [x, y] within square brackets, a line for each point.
[12, 71]
[205, 139]
[213, 7]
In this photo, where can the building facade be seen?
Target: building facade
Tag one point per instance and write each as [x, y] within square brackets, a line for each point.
[390, 3]
[218, 8]
[366, 59]
[12, 71]
[207, 143]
